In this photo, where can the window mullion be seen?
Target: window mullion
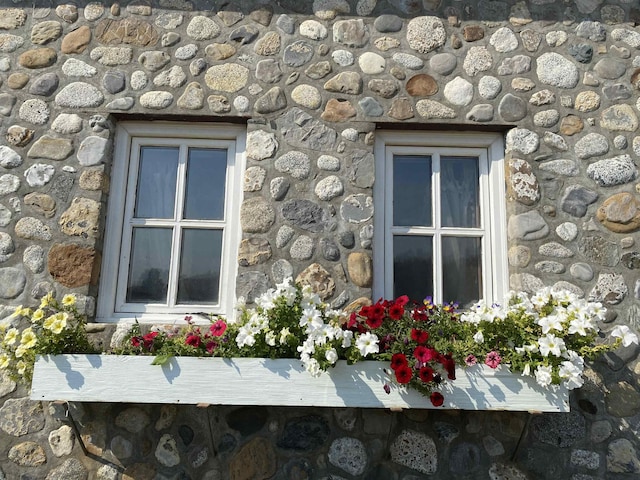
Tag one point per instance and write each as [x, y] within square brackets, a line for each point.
[388, 223]
[437, 226]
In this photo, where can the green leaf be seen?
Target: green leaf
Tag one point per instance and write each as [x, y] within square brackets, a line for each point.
[161, 359]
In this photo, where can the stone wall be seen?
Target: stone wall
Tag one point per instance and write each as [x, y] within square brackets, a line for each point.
[312, 80]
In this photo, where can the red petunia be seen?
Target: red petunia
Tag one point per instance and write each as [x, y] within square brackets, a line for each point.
[193, 340]
[148, 339]
[218, 328]
[396, 311]
[449, 365]
[211, 346]
[436, 399]
[135, 341]
[419, 336]
[402, 300]
[426, 374]
[424, 354]
[404, 374]
[374, 322]
[398, 360]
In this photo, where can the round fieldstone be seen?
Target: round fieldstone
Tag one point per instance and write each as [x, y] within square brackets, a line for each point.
[77, 68]
[33, 258]
[408, 61]
[9, 158]
[422, 85]
[284, 235]
[46, 84]
[459, 92]
[478, 59]
[174, 78]
[302, 248]
[328, 163]
[489, 87]
[587, 101]
[9, 184]
[622, 456]
[186, 52]
[425, 34]
[576, 199]
[415, 450]
[582, 52]
[156, 100]
[297, 54]
[554, 69]
[371, 107]
[522, 140]
[349, 454]
[582, 271]
[613, 171]
[546, 118]
[192, 98]
[443, 63]
[433, 109]
[38, 58]
[555, 249]
[114, 81]
[6, 247]
[555, 141]
[619, 118]
[357, 208]
[504, 40]
[387, 23]
[527, 226]
[610, 289]
[307, 96]
[67, 123]
[202, 28]
[39, 174]
[522, 182]
[79, 95]
[559, 431]
[280, 270]
[620, 213]
[256, 215]
[610, 68]
[295, 163]
[329, 188]
[34, 111]
[229, 77]
[12, 283]
[519, 256]
[360, 269]
[261, 145]
[305, 214]
[313, 29]
[512, 108]
[5, 216]
[167, 452]
[254, 178]
[567, 231]
[371, 63]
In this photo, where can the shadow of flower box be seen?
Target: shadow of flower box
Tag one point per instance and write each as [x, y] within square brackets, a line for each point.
[259, 381]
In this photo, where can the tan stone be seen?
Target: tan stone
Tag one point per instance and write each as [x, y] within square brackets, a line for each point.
[17, 80]
[81, 218]
[587, 101]
[268, 45]
[422, 85]
[94, 179]
[19, 136]
[11, 18]
[360, 269]
[130, 31]
[219, 51]
[357, 304]
[345, 82]
[27, 454]
[623, 400]
[73, 265]
[620, 213]
[571, 124]
[76, 41]
[38, 58]
[318, 279]
[45, 32]
[635, 78]
[401, 109]
[41, 203]
[229, 77]
[253, 251]
[256, 460]
[338, 111]
[51, 148]
[472, 33]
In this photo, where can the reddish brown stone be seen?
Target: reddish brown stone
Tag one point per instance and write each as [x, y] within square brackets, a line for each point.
[422, 85]
[338, 111]
[571, 124]
[76, 41]
[130, 31]
[620, 213]
[255, 461]
[472, 33]
[38, 58]
[73, 265]
[401, 109]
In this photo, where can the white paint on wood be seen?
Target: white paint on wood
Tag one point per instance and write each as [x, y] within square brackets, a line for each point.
[258, 381]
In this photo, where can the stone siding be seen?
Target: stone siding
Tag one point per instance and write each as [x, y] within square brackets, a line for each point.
[313, 80]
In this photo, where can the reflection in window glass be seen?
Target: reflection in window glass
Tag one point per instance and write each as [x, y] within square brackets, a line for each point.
[200, 266]
[156, 192]
[206, 178]
[462, 269]
[460, 192]
[412, 266]
[411, 190]
[149, 265]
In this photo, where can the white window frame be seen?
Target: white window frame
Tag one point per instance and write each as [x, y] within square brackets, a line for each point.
[489, 147]
[112, 306]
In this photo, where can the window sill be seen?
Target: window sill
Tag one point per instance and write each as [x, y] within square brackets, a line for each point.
[282, 382]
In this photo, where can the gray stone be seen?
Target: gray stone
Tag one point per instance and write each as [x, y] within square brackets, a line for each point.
[546, 118]
[61, 441]
[186, 52]
[519, 256]
[9, 158]
[620, 142]
[599, 250]
[302, 248]
[370, 107]
[39, 174]
[77, 68]
[556, 250]
[5, 216]
[631, 260]
[202, 28]
[244, 34]
[279, 187]
[613, 171]
[432, 109]
[280, 270]
[352, 33]
[156, 100]
[478, 59]
[408, 61]
[565, 167]
[286, 24]
[576, 200]
[481, 113]
[33, 258]
[617, 92]
[228, 78]
[489, 87]
[459, 92]
[554, 69]
[582, 271]
[591, 145]
[297, 164]
[522, 140]
[610, 289]
[559, 430]
[594, 31]
[34, 111]
[549, 266]
[152, 61]
[254, 178]
[272, 101]
[622, 457]
[9, 184]
[512, 108]
[268, 70]
[567, 231]
[71, 469]
[329, 187]
[582, 52]
[464, 458]
[261, 145]
[516, 65]
[173, 78]
[121, 104]
[328, 163]
[443, 63]
[585, 458]
[305, 214]
[133, 419]
[610, 69]
[256, 215]
[7, 102]
[348, 454]
[92, 151]
[297, 54]
[6, 247]
[313, 29]
[198, 66]
[44, 85]
[387, 23]
[32, 229]
[425, 34]
[357, 208]
[167, 452]
[555, 141]
[114, 81]
[79, 95]
[284, 235]
[192, 98]
[347, 239]
[344, 58]
[415, 450]
[112, 56]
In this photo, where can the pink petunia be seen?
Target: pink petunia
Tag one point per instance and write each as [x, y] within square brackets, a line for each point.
[218, 328]
[493, 359]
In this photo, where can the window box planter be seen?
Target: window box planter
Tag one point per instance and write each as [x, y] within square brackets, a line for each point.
[258, 381]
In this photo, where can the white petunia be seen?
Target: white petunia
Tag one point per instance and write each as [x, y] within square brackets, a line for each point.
[571, 374]
[550, 322]
[367, 343]
[551, 344]
[623, 332]
[543, 376]
[331, 355]
[478, 337]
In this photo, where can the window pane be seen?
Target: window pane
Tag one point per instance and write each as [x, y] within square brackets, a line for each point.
[462, 269]
[149, 265]
[206, 178]
[411, 190]
[459, 184]
[200, 266]
[412, 266]
[156, 192]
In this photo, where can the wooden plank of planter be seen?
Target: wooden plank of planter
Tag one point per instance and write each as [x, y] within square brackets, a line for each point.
[258, 381]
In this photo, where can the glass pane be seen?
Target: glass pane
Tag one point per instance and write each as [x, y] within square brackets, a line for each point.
[412, 266]
[149, 265]
[462, 269]
[411, 190]
[206, 178]
[200, 266]
[460, 191]
[156, 192]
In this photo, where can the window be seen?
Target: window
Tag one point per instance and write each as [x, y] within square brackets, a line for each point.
[171, 239]
[440, 216]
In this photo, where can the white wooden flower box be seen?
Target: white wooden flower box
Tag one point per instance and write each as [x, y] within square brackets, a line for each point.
[258, 381]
